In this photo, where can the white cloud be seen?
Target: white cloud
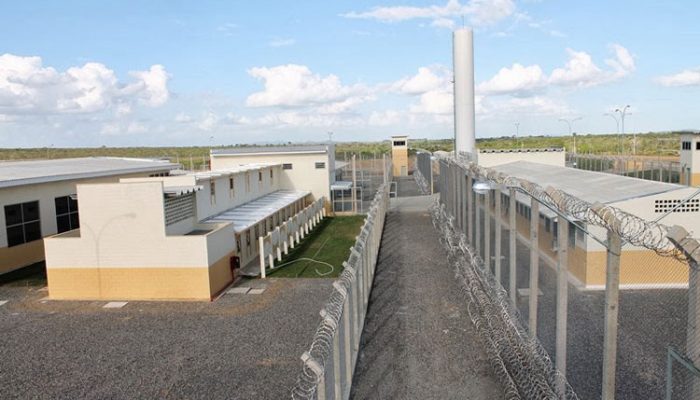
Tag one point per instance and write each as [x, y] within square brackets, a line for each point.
[687, 77]
[479, 12]
[446, 23]
[208, 121]
[427, 79]
[518, 79]
[439, 102]
[26, 87]
[281, 42]
[296, 86]
[183, 118]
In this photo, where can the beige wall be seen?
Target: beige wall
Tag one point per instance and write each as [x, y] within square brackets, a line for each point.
[302, 176]
[489, 159]
[15, 257]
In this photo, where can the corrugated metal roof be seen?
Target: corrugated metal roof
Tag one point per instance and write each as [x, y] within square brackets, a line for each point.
[174, 191]
[590, 186]
[272, 149]
[18, 173]
[253, 212]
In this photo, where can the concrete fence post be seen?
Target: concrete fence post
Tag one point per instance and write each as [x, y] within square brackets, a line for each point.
[512, 242]
[562, 299]
[261, 242]
[534, 265]
[612, 293]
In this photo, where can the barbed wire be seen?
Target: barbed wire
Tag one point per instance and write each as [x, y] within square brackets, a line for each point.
[632, 229]
[321, 348]
[521, 364]
[421, 181]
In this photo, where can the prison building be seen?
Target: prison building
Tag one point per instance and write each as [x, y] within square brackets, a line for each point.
[399, 155]
[690, 159]
[649, 200]
[38, 199]
[306, 167]
[550, 156]
[168, 238]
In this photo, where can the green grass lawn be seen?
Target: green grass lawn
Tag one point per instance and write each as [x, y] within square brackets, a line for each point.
[329, 243]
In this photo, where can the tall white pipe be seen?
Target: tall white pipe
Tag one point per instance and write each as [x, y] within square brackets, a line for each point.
[463, 63]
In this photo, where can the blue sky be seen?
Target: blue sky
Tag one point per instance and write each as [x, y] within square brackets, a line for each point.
[76, 73]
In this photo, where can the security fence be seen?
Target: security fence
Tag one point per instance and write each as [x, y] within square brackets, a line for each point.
[423, 173]
[329, 364]
[649, 168]
[358, 177]
[572, 299]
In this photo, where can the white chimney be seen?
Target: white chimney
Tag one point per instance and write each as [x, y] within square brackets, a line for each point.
[463, 63]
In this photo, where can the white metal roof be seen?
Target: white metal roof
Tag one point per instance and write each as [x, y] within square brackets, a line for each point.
[174, 191]
[18, 173]
[310, 148]
[231, 171]
[590, 186]
[249, 214]
[341, 185]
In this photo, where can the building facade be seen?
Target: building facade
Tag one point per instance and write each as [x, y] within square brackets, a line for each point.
[399, 155]
[38, 199]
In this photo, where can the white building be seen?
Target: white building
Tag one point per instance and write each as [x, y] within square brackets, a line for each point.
[179, 237]
[307, 167]
[37, 199]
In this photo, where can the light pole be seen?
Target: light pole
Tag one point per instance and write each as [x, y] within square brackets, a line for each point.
[330, 137]
[517, 132]
[623, 112]
[617, 129]
[570, 123]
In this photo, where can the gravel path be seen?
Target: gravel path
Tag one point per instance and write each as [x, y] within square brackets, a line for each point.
[242, 346]
[418, 341]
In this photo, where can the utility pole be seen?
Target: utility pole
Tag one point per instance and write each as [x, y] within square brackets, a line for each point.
[623, 112]
[517, 132]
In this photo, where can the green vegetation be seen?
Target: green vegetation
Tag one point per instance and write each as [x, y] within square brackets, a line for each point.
[664, 143]
[329, 243]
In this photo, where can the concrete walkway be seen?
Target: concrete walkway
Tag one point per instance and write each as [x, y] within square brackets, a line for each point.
[418, 341]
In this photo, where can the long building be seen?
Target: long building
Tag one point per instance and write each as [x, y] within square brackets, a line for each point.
[38, 199]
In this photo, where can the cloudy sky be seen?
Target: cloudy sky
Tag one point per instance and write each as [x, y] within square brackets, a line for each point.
[79, 73]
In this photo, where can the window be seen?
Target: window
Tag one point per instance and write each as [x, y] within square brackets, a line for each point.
[399, 143]
[272, 176]
[256, 231]
[212, 192]
[23, 224]
[320, 165]
[259, 176]
[686, 145]
[66, 214]
[247, 182]
[286, 166]
[230, 187]
[238, 244]
[247, 238]
[697, 145]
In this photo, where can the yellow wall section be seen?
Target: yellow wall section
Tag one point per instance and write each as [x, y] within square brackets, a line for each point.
[15, 257]
[220, 275]
[399, 158]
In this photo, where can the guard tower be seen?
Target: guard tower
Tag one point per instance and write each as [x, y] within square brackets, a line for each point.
[399, 155]
[690, 159]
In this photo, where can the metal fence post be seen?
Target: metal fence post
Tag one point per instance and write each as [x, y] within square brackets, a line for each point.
[262, 256]
[487, 230]
[534, 265]
[465, 196]
[562, 298]
[497, 243]
[512, 242]
[477, 233]
[470, 210]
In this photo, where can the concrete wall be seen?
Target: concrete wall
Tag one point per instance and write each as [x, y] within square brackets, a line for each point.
[122, 251]
[491, 159]
[302, 176]
[15, 257]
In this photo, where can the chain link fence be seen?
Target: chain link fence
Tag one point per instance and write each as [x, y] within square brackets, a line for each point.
[572, 299]
[329, 363]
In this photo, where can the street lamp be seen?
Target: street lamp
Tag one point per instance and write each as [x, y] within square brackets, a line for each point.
[617, 130]
[623, 112]
[517, 132]
[570, 123]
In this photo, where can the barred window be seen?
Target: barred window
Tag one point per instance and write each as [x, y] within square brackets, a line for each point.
[66, 214]
[23, 223]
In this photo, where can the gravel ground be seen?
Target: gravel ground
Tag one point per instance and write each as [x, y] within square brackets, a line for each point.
[418, 341]
[649, 321]
[242, 346]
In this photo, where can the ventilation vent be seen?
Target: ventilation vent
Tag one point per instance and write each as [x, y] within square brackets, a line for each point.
[179, 208]
[663, 206]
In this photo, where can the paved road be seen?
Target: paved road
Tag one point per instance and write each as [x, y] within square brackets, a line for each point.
[418, 341]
